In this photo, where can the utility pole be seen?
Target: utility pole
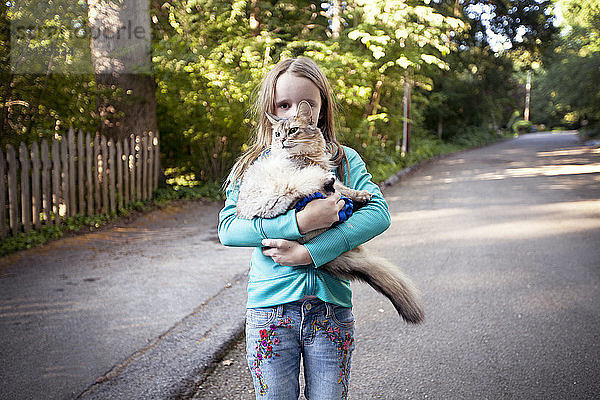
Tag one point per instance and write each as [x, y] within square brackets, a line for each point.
[336, 19]
[406, 121]
[527, 96]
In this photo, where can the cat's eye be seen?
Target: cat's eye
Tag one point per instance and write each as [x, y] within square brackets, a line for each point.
[277, 134]
[293, 130]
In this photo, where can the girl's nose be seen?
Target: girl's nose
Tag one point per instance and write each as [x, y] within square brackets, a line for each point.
[290, 112]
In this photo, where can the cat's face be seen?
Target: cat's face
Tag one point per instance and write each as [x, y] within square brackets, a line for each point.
[296, 135]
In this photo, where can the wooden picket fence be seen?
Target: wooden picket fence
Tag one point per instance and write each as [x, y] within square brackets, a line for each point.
[74, 175]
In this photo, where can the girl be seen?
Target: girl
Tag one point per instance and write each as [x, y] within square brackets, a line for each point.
[294, 309]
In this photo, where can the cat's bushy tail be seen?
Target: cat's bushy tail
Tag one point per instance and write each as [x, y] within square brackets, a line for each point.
[384, 277]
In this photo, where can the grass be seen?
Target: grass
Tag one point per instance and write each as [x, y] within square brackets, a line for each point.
[428, 147]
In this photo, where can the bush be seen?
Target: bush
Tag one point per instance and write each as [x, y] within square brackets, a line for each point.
[35, 238]
[522, 126]
[474, 136]
[423, 146]
[164, 195]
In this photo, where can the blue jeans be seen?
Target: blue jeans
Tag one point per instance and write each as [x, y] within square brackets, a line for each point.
[276, 337]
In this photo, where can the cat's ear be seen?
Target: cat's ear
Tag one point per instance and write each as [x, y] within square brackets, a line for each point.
[304, 111]
[273, 119]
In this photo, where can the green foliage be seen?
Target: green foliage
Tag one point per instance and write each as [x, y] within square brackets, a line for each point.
[571, 101]
[483, 88]
[522, 126]
[513, 118]
[46, 76]
[473, 136]
[164, 195]
[525, 25]
[208, 56]
[34, 238]
[567, 91]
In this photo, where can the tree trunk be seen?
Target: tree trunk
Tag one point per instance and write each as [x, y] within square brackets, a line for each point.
[121, 53]
[406, 119]
[253, 21]
[456, 9]
[374, 105]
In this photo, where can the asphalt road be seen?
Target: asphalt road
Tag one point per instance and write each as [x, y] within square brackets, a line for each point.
[126, 312]
[504, 242]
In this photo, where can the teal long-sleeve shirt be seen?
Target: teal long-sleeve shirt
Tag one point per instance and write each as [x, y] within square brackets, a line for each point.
[271, 283]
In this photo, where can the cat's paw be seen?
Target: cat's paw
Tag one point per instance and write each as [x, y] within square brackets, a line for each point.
[328, 181]
[362, 196]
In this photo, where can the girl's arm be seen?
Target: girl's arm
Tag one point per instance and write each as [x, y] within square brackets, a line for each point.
[364, 224]
[240, 232]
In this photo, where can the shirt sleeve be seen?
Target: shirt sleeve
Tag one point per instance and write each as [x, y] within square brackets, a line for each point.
[369, 221]
[241, 232]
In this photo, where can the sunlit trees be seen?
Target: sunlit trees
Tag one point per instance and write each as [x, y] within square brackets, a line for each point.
[567, 91]
[209, 55]
[481, 91]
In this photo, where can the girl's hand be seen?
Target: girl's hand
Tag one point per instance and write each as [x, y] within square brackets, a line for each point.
[286, 252]
[320, 213]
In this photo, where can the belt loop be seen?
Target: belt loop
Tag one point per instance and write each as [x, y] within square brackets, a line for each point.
[279, 313]
[329, 311]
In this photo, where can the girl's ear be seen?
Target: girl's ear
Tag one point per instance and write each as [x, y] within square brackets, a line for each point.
[273, 119]
[304, 111]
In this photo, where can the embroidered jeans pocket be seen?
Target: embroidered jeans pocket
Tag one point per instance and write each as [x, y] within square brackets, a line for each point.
[260, 317]
[342, 316]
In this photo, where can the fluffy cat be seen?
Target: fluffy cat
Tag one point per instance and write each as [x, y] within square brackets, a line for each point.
[298, 164]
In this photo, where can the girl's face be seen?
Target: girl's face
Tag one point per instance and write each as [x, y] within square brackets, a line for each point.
[291, 90]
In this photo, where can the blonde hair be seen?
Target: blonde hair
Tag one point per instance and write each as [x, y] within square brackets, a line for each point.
[265, 102]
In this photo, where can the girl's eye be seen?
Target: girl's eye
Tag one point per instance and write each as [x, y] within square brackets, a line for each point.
[284, 105]
[293, 130]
